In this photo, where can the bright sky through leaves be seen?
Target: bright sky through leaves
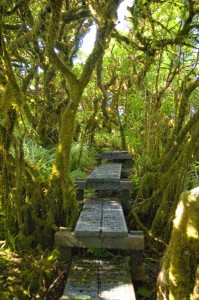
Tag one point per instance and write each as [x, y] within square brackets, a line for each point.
[122, 26]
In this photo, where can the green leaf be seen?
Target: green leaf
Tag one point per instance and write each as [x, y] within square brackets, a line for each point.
[142, 291]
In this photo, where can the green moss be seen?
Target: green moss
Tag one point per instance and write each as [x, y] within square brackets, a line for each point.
[180, 261]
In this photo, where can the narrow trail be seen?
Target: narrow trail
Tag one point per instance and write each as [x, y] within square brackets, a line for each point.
[102, 224]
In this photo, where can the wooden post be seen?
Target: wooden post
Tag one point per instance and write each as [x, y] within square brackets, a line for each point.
[81, 184]
[125, 193]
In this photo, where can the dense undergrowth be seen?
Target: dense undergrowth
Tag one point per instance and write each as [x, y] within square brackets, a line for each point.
[31, 275]
[42, 274]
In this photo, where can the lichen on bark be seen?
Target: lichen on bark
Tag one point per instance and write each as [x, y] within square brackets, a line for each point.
[179, 268]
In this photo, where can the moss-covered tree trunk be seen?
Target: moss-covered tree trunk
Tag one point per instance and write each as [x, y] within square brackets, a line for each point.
[105, 19]
[61, 169]
[178, 277]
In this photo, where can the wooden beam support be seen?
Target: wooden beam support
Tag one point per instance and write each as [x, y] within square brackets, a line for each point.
[124, 185]
[66, 238]
[114, 155]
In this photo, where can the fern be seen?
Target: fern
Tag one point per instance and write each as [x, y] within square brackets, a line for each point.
[144, 292]
[100, 252]
[87, 156]
[12, 241]
[76, 174]
[41, 157]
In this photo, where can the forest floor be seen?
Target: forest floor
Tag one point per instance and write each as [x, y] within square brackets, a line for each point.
[146, 288]
[32, 275]
[42, 275]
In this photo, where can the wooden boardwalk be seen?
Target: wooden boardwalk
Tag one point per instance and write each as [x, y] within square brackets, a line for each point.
[99, 279]
[102, 224]
[106, 177]
[101, 217]
[106, 173]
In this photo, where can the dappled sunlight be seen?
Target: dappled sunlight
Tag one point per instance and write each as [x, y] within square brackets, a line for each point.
[55, 171]
[29, 276]
[60, 148]
[161, 278]
[100, 279]
[118, 291]
[172, 277]
[195, 192]
[179, 215]
[192, 231]
[171, 296]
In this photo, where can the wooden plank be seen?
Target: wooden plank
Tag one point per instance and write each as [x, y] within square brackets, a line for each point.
[89, 222]
[115, 155]
[113, 221]
[82, 280]
[106, 173]
[99, 279]
[101, 217]
[115, 280]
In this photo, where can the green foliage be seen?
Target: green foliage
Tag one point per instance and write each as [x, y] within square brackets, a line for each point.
[82, 157]
[144, 292]
[11, 241]
[100, 252]
[107, 141]
[30, 276]
[41, 157]
[78, 174]
[193, 176]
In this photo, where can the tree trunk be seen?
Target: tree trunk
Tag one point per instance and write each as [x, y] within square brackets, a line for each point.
[177, 279]
[61, 168]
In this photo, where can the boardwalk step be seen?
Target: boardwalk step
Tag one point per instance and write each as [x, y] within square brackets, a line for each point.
[106, 173]
[99, 279]
[101, 217]
[114, 155]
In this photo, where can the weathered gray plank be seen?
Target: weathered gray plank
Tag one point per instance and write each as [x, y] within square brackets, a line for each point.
[89, 222]
[101, 217]
[113, 221]
[99, 279]
[82, 280]
[106, 173]
[116, 283]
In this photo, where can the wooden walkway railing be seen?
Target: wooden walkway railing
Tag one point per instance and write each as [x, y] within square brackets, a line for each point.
[102, 224]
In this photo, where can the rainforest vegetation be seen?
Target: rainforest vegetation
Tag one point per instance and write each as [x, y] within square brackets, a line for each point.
[137, 90]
